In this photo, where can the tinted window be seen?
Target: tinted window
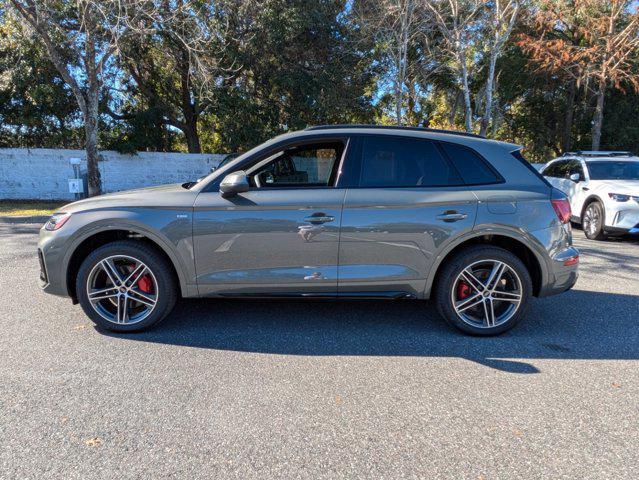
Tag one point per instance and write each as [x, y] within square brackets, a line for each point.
[308, 165]
[603, 170]
[574, 166]
[470, 165]
[520, 158]
[404, 162]
[557, 169]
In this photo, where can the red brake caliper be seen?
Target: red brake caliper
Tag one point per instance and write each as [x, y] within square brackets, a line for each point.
[144, 283]
[463, 290]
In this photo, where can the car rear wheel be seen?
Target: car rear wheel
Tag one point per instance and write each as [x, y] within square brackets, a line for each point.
[126, 286]
[593, 221]
[483, 290]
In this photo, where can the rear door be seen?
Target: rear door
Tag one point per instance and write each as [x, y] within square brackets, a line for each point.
[405, 200]
[280, 237]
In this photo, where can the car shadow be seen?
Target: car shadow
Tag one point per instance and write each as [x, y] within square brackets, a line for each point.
[577, 325]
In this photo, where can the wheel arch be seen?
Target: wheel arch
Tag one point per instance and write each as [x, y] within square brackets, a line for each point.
[591, 199]
[511, 242]
[102, 235]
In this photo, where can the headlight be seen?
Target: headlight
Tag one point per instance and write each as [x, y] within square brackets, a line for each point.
[56, 221]
[619, 197]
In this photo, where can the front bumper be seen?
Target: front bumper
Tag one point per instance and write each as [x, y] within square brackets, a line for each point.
[622, 217]
[50, 255]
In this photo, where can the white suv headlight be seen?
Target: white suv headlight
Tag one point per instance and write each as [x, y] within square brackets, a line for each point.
[619, 197]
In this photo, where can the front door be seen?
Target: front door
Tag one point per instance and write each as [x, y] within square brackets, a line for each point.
[280, 237]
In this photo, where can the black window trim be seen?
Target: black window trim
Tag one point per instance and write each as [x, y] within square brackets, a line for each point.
[346, 140]
[356, 162]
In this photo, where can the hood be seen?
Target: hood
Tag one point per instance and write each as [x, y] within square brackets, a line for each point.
[174, 195]
[627, 187]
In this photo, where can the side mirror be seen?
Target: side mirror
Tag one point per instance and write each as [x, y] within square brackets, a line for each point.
[234, 183]
[575, 177]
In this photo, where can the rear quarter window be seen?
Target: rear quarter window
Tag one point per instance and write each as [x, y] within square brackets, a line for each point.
[519, 157]
[473, 169]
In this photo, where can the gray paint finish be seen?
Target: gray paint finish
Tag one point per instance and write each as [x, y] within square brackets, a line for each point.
[324, 241]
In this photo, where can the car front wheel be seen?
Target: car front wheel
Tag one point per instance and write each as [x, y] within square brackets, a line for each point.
[126, 286]
[483, 290]
[593, 221]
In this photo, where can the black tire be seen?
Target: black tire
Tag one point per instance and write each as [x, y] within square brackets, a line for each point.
[596, 212]
[447, 277]
[161, 270]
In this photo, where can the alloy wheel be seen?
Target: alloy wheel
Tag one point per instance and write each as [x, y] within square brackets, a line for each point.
[591, 220]
[122, 289]
[487, 293]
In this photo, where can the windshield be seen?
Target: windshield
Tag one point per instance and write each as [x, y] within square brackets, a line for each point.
[613, 170]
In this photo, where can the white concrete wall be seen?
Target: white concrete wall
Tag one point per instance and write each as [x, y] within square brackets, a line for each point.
[43, 173]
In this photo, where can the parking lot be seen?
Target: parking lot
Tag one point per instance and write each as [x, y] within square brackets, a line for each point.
[321, 389]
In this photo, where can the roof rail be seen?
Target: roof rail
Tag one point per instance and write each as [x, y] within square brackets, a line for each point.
[394, 127]
[602, 153]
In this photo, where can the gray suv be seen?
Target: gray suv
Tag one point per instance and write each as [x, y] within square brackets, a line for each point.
[331, 211]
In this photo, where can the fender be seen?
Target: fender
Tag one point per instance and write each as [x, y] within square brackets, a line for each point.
[591, 198]
[130, 224]
[529, 240]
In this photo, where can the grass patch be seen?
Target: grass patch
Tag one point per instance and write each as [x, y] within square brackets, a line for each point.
[29, 208]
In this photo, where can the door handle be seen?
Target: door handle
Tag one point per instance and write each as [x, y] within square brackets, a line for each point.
[585, 189]
[319, 218]
[451, 216]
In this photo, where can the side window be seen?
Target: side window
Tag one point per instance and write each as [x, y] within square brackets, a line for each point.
[574, 166]
[404, 162]
[470, 165]
[556, 170]
[306, 165]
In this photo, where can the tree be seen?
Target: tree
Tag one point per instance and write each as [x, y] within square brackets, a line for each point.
[37, 109]
[457, 20]
[80, 37]
[605, 55]
[180, 58]
[501, 17]
[299, 67]
[394, 26]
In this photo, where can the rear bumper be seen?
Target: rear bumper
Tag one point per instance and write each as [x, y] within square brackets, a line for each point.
[565, 272]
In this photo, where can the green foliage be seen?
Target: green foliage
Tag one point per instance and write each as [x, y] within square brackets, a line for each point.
[36, 108]
[280, 65]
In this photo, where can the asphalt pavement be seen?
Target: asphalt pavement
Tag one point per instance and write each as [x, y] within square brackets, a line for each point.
[321, 389]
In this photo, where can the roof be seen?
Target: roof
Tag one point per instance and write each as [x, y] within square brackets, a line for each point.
[468, 139]
[394, 127]
[598, 153]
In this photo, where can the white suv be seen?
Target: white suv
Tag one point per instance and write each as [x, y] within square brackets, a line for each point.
[603, 188]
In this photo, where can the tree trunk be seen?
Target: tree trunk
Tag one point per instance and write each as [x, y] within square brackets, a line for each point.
[490, 82]
[453, 110]
[566, 138]
[192, 137]
[189, 106]
[91, 116]
[467, 104]
[398, 105]
[597, 120]
[91, 146]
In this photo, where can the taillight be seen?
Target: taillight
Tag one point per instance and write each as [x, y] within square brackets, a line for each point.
[562, 209]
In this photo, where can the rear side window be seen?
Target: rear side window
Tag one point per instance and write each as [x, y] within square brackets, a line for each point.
[404, 162]
[520, 158]
[470, 165]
